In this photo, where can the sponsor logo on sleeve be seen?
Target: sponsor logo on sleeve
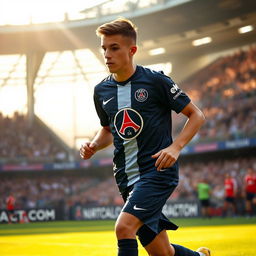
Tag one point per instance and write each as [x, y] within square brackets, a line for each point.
[175, 90]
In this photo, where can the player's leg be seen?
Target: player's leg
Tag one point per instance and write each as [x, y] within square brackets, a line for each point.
[126, 228]
[203, 208]
[208, 208]
[10, 214]
[209, 214]
[233, 208]
[204, 211]
[254, 205]
[249, 203]
[248, 207]
[225, 208]
[229, 207]
[161, 246]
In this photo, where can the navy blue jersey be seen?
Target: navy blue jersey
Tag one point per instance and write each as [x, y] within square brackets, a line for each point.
[138, 112]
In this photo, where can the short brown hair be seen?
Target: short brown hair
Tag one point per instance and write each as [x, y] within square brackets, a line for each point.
[120, 26]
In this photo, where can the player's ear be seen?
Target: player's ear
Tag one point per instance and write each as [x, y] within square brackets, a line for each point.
[133, 50]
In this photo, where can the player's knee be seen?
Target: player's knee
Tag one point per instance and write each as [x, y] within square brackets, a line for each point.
[123, 230]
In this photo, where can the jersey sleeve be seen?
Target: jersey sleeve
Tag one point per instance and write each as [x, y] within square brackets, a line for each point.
[170, 94]
[104, 121]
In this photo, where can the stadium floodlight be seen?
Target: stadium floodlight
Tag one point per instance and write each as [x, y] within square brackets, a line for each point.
[201, 41]
[245, 29]
[157, 51]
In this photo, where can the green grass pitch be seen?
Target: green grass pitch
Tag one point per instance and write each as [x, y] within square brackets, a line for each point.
[225, 237]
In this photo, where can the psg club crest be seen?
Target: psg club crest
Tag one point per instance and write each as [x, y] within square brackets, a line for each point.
[128, 123]
[141, 95]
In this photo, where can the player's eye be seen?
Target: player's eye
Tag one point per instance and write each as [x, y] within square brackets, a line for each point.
[114, 48]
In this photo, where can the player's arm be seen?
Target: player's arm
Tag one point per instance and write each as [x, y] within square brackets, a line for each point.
[101, 140]
[195, 120]
[168, 156]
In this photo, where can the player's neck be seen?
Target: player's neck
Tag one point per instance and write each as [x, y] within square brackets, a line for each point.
[125, 74]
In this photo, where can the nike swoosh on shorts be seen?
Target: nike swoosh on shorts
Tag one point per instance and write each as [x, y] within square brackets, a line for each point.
[138, 209]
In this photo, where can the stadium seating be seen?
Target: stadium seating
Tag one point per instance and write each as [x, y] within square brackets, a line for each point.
[226, 92]
[22, 143]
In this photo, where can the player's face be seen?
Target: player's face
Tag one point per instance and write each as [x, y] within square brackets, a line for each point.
[118, 51]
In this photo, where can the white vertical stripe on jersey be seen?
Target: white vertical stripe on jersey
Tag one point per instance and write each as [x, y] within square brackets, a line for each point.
[130, 146]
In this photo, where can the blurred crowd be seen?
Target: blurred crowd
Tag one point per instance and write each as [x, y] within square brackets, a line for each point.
[72, 190]
[43, 191]
[20, 142]
[226, 92]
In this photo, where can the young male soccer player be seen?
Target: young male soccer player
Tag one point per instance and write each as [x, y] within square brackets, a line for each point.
[204, 192]
[134, 105]
[250, 190]
[230, 195]
[10, 206]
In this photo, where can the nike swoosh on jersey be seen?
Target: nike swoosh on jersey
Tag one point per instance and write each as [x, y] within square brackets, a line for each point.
[107, 101]
[138, 209]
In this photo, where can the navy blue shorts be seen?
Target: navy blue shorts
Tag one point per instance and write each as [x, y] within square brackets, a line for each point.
[230, 199]
[145, 200]
[205, 202]
[10, 211]
[250, 196]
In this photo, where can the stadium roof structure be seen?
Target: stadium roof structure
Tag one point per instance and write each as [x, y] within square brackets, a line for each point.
[172, 25]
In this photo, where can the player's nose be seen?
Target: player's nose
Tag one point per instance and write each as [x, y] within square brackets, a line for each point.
[107, 54]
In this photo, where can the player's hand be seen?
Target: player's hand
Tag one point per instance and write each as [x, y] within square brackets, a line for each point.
[166, 157]
[87, 150]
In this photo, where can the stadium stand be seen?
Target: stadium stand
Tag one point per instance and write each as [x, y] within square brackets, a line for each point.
[28, 143]
[226, 91]
[40, 191]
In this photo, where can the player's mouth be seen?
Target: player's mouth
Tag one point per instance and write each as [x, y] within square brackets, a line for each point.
[109, 64]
